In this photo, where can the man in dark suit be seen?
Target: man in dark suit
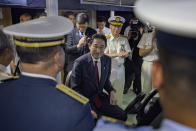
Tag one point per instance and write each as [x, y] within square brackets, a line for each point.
[34, 101]
[76, 41]
[91, 74]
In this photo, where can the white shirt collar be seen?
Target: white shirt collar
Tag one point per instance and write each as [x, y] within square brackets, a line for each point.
[38, 75]
[98, 60]
[104, 28]
[169, 125]
[81, 33]
[112, 37]
[98, 64]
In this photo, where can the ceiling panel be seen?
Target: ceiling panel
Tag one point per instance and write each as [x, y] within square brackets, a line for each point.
[122, 3]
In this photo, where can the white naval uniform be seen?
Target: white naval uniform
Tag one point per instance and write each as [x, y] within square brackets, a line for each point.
[117, 77]
[4, 73]
[106, 31]
[146, 77]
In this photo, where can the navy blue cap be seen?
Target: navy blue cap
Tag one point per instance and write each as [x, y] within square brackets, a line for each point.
[180, 44]
[175, 22]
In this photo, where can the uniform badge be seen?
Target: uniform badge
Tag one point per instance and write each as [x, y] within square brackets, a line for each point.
[117, 19]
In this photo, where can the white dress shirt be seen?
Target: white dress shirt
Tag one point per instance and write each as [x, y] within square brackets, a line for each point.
[98, 65]
[105, 30]
[81, 34]
[146, 43]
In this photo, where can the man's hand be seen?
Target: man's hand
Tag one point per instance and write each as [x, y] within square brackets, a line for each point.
[94, 114]
[124, 54]
[113, 98]
[82, 41]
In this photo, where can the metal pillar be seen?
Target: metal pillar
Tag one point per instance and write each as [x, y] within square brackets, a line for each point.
[93, 19]
[52, 7]
[112, 13]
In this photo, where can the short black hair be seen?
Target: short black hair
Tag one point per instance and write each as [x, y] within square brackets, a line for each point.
[68, 13]
[99, 36]
[101, 19]
[82, 18]
[34, 55]
[38, 15]
[26, 15]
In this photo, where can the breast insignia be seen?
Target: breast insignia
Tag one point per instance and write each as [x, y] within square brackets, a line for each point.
[108, 36]
[123, 36]
[70, 92]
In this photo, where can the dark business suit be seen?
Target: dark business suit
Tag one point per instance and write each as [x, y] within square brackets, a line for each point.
[83, 80]
[34, 104]
[71, 46]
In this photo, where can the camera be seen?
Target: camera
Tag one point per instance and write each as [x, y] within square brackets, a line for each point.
[134, 28]
[88, 40]
[148, 28]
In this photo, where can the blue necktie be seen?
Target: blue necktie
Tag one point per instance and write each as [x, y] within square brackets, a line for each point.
[82, 33]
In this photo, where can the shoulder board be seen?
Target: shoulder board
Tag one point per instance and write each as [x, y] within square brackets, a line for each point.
[108, 36]
[70, 92]
[11, 78]
[123, 36]
[113, 120]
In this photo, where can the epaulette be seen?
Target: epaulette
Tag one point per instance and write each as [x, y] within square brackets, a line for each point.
[70, 92]
[113, 120]
[123, 36]
[108, 36]
[10, 78]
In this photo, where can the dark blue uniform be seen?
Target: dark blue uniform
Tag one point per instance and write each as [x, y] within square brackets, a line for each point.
[35, 104]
